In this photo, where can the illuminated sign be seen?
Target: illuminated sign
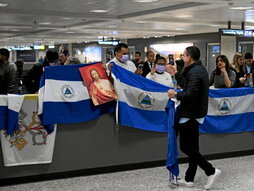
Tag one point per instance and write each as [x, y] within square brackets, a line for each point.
[108, 42]
[39, 47]
[237, 32]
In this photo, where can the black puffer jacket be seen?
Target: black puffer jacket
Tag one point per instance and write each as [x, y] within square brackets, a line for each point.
[32, 78]
[194, 97]
[7, 79]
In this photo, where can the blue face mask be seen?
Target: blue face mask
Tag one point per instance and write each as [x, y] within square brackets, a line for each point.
[160, 68]
[125, 58]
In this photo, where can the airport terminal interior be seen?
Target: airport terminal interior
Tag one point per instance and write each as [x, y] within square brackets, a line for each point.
[73, 147]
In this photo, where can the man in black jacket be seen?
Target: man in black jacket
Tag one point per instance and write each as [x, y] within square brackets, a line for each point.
[193, 108]
[149, 63]
[32, 79]
[7, 73]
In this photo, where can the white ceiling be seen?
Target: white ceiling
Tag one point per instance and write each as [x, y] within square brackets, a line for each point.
[24, 22]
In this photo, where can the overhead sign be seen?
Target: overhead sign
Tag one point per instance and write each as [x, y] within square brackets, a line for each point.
[108, 42]
[237, 32]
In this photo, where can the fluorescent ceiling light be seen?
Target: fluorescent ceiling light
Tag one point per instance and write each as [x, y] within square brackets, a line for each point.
[67, 18]
[140, 22]
[240, 8]
[99, 11]
[183, 16]
[145, 1]
[69, 32]
[4, 4]
[45, 23]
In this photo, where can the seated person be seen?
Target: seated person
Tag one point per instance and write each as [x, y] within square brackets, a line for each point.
[223, 76]
[158, 73]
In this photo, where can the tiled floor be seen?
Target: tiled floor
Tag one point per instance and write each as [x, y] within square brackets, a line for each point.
[237, 175]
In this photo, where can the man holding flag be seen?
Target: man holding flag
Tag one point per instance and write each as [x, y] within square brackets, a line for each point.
[192, 110]
[122, 59]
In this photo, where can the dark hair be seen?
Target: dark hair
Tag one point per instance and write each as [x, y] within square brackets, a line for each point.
[148, 52]
[52, 55]
[138, 53]
[225, 60]
[160, 58]
[157, 56]
[193, 52]
[119, 47]
[248, 55]
[5, 52]
[93, 69]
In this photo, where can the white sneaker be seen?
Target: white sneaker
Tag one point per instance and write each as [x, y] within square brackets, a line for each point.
[212, 178]
[182, 182]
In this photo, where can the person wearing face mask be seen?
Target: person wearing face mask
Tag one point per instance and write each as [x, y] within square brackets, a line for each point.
[7, 73]
[158, 73]
[32, 78]
[122, 59]
[223, 76]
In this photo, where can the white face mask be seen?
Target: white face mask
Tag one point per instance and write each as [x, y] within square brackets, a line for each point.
[125, 58]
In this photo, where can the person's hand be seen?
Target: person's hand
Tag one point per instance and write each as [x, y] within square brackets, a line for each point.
[171, 93]
[223, 70]
[139, 71]
[109, 66]
[104, 66]
[62, 58]
[153, 70]
[242, 80]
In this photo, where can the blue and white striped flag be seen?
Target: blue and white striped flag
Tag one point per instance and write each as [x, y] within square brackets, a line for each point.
[230, 111]
[64, 98]
[141, 102]
[144, 104]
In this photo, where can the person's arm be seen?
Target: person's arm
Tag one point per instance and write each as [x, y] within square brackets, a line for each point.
[11, 87]
[232, 78]
[29, 80]
[226, 77]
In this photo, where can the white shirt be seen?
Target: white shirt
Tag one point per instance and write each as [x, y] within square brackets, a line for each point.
[129, 65]
[164, 78]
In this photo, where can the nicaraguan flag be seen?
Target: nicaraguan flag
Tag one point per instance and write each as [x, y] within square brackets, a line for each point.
[230, 111]
[144, 104]
[141, 102]
[64, 98]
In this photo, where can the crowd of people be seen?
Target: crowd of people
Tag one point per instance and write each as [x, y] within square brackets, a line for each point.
[186, 73]
[237, 74]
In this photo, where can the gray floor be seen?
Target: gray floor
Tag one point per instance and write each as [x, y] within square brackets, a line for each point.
[237, 175]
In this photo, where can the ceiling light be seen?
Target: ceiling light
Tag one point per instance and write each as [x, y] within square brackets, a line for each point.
[183, 16]
[240, 8]
[67, 18]
[4, 4]
[145, 1]
[45, 23]
[140, 22]
[99, 11]
[69, 32]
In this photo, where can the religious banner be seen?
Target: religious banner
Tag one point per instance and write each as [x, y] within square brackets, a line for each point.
[98, 83]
